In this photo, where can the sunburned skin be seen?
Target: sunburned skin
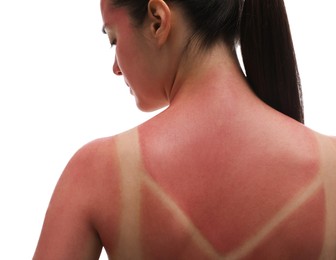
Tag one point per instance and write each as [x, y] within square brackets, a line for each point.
[194, 198]
[142, 196]
[217, 175]
[175, 216]
[238, 205]
[231, 179]
[217, 189]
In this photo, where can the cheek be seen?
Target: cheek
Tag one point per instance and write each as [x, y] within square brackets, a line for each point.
[125, 57]
[132, 65]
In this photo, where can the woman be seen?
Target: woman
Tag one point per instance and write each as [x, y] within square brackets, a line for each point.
[227, 171]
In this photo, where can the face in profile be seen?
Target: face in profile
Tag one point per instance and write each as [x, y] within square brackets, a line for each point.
[136, 58]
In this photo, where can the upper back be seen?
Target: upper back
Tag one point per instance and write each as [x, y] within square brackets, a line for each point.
[190, 201]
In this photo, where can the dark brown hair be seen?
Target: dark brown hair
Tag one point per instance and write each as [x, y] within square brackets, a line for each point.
[269, 57]
[263, 30]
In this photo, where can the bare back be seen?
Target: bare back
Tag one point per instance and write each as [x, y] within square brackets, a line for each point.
[215, 199]
[164, 192]
[218, 175]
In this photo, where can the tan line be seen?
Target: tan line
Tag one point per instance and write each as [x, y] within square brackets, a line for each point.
[129, 238]
[197, 237]
[328, 172]
[329, 247]
[286, 211]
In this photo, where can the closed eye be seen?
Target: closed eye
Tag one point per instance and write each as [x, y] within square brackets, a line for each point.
[113, 43]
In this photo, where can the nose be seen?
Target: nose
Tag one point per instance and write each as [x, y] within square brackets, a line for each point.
[116, 69]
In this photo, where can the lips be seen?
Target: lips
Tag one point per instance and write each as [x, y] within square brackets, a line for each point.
[131, 91]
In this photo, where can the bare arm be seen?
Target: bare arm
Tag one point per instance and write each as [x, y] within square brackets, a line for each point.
[69, 229]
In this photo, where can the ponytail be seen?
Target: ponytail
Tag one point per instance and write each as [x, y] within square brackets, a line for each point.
[269, 57]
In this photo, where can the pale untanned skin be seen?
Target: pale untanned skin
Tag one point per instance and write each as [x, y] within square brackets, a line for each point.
[217, 175]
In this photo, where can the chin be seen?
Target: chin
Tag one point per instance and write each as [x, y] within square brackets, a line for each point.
[149, 107]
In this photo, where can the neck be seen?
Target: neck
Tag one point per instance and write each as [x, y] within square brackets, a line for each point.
[212, 72]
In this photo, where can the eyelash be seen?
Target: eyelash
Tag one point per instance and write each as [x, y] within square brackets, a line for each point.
[113, 43]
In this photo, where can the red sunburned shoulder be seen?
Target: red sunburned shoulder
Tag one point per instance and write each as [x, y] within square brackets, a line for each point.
[100, 162]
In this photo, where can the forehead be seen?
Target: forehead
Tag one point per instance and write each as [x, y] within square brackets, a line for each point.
[112, 15]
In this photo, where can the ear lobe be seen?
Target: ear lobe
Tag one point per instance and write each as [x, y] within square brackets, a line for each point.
[159, 20]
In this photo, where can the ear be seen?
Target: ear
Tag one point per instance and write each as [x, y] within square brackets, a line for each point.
[159, 16]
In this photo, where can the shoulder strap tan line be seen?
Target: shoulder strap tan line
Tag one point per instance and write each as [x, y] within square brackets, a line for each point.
[130, 188]
[328, 173]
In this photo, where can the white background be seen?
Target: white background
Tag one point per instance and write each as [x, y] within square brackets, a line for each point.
[57, 92]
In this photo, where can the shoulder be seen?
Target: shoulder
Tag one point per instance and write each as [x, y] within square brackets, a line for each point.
[101, 171]
[89, 167]
[89, 175]
[95, 170]
[96, 167]
[102, 156]
[85, 185]
[93, 153]
[326, 152]
[86, 204]
[327, 148]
